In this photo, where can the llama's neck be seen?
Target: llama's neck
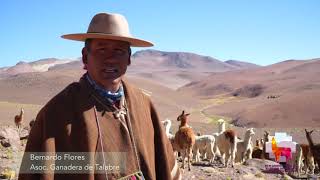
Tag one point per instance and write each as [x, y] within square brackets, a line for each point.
[309, 138]
[183, 123]
[222, 127]
[260, 144]
[266, 139]
[257, 143]
[21, 113]
[247, 140]
[167, 128]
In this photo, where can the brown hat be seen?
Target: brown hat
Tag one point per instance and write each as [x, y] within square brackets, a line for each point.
[109, 26]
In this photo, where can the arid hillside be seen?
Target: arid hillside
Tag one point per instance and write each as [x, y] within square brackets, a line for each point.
[285, 94]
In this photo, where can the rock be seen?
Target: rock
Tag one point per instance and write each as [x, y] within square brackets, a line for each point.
[10, 137]
[251, 177]
[208, 170]
[7, 173]
[3, 155]
[5, 142]
[24, 134]
[286, 177]
[260, 175]
[222, 170]
[262, 164]
[313, 177]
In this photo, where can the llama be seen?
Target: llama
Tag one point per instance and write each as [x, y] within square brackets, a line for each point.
[244, 147]
[226, 143]
[184, 139]
[258, 149]
[315, 148]
[260, 143]
[221, 129]
[19, 118]
[266, 138]
[167, 125]
[304, 157]
[222, 126]
[204, 145]
[196, 148]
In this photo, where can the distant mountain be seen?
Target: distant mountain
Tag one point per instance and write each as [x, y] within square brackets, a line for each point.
[74, 65]
[153, 59]
[170, 69]
[20, 67]
[160, 60]
[41, 65]
[175, 69]
[242, 64]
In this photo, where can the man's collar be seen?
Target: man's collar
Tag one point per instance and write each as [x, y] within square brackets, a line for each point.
[111, 97]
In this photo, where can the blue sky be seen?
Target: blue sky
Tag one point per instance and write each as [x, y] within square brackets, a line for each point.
[258, 31]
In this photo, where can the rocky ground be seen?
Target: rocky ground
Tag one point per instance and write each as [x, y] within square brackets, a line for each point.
[13, 143]
[253, 169]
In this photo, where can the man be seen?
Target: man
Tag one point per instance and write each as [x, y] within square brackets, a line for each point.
[103, 115]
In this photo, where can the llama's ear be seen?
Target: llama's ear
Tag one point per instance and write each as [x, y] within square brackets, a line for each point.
[306, 130]
[188, 114]
[311, 131]
[183, 112]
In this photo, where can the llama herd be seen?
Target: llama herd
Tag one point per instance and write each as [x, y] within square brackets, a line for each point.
[226, 145]
[230, 149]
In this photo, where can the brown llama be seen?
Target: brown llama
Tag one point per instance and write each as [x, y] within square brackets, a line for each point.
[19, 118]
[258, 149]
[184, 139]
[315, 148]
[304, 158]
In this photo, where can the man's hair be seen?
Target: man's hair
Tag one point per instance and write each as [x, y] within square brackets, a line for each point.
[88, 42]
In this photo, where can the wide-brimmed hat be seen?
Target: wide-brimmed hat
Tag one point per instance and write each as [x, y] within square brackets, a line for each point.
[109, 26]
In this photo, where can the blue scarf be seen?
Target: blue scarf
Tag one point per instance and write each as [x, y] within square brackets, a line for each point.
[108, 95]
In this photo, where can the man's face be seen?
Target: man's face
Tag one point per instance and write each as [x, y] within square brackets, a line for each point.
[106, 61]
